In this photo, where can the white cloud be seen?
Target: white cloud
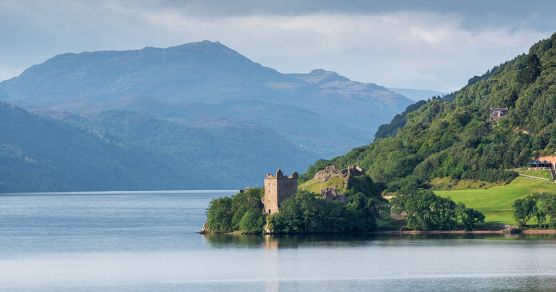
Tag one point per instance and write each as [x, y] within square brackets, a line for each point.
[404, 49]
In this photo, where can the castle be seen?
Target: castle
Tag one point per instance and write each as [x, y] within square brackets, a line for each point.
[277, 188]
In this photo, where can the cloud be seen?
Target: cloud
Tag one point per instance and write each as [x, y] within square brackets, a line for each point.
[404, 49]
[432, 46]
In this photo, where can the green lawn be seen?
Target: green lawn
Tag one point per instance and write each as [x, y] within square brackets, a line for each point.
[496, 202]
[315, 185]
[542, 173]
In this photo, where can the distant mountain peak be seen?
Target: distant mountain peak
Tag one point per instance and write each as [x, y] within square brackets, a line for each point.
[319, 76]
[201, 44]
[204, 46]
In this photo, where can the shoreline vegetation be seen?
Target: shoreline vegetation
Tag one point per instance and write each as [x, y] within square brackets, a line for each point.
[359, 208]
[307, 213]
[362, 210]
[532, 212]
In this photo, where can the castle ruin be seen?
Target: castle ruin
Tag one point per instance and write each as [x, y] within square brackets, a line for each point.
[277, 188]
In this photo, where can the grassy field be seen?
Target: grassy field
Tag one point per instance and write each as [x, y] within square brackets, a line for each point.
[542, 173]
[315, 185]
[496, 202]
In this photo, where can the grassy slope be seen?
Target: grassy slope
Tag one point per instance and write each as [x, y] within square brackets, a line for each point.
[542, 173]
[315, 185]
[496, 202]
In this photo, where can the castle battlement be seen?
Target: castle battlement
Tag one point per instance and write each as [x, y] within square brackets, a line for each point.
[276, 189]
[280, 175]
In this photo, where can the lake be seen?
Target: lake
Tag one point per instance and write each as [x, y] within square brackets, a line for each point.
[147, 241]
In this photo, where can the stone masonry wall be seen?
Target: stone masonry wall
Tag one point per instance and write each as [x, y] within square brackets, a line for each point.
[276, 189]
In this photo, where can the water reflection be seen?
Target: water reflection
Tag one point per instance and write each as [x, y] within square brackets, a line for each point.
[273, 242]
[149, 243]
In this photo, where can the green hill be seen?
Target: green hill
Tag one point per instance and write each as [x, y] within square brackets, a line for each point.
[451, 137]
[496, 202]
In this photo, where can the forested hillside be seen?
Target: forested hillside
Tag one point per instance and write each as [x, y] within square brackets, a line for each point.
[43, 154]
[129, 151]
[451, 137]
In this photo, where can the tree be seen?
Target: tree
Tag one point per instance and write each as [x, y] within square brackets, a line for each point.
[251, 222]
[524, 209]
[243, 202]
[426, 211]
[541, 206]
[468, 217]
[363, 212]
[289, 219]
[219, 215]
[551, 212]
[226, 214]
[528, 69]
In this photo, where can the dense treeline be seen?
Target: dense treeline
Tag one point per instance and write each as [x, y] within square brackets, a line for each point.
[538, 206]
[399, 120]
[452, 136]
[424, 210]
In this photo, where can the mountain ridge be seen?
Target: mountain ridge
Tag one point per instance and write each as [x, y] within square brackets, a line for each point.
[202, 73]
[203, 110]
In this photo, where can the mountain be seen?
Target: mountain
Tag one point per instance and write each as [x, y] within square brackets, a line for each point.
[194, 116]
[454, 138]
[207, 84]
[118, 150]
[417, 94]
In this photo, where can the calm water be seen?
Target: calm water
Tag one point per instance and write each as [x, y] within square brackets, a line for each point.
[147, 242]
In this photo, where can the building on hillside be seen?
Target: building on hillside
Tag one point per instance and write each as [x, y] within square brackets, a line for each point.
[543, 162]
[538, 164]
[276, 189]
[497, 113]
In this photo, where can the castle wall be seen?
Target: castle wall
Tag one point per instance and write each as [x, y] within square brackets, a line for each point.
[277, 189]
[270, 201]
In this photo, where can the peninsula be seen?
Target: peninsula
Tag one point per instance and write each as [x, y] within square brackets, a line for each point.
[333, 201]
[478, 158]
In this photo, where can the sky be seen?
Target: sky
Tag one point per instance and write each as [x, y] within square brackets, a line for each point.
[428, 44]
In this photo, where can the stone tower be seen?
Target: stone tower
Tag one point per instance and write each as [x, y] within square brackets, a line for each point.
[277, 188]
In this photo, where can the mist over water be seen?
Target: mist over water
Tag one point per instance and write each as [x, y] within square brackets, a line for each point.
[148, 242]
